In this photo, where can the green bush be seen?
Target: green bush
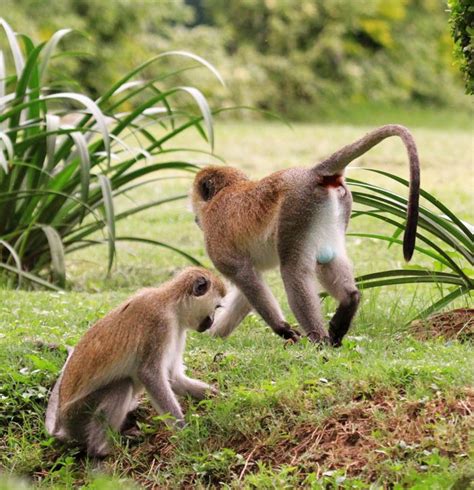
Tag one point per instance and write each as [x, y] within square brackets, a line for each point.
[64, 158]
[301, 58]
[462, 30]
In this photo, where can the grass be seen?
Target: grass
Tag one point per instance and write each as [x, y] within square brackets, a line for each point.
[385, 409]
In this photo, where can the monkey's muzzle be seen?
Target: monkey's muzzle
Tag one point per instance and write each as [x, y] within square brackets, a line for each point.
[206, 324]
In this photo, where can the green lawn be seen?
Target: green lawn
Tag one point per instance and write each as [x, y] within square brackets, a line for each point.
[385, 409]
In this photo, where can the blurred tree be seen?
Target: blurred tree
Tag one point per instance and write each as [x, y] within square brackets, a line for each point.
[297, 57]
[462, 30]
[117, 34]
[319, 52]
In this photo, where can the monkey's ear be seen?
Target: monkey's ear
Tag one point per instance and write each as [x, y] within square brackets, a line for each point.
[207, 189]
[200, 286]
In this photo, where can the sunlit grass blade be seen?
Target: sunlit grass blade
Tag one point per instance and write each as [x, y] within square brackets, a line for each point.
[49, 48]
[84, 159]
[52, 126]
[93, 108]
[14, 47]
[15, 257]
[109, 216]
[56, 248]
[3, 76]
[205, 110]
[31, 277]
[147, 63]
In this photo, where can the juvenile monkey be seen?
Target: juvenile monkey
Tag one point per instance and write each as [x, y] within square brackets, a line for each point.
[138, 345]
[294, 219]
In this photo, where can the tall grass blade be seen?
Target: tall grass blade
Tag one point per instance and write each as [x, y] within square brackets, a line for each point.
[93, 108]
[109, 216]
[3, 76]
[31, 277]
[205, 110]
[14, 47]
[85, 164]
[49, 48]
[15, 257]
[58, 263]
[52, 127]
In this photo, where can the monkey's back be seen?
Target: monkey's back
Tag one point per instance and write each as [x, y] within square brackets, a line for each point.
[115, 341]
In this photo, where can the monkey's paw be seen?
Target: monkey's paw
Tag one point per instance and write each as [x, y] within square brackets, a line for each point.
[317, 338]
[211, 392]
[289, 334]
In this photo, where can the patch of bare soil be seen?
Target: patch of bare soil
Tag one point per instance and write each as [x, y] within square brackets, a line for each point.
[365, 433]
[454, 324]
[356, 438]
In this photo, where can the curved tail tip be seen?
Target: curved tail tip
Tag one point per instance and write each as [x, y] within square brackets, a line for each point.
[408, 249]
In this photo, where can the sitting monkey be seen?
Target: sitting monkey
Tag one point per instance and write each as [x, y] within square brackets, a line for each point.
[138, 345]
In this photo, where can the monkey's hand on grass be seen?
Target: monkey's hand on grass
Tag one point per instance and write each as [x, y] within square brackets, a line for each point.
[317, 338]
[212, 392]
[288, 333]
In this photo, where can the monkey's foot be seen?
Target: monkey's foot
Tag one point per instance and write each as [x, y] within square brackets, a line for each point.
[336, 335]
[318, 338]
[335, 340]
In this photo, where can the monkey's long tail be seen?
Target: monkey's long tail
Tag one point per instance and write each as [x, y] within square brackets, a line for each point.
[336, 163]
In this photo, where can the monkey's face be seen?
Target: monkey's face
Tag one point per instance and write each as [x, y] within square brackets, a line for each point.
[208, 183]
[204, 297]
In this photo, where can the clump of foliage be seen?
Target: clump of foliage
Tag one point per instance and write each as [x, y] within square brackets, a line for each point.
[64, 158]
[108, 47]
[294, 53]
[462, 30]
[441, 236]
[281, 55]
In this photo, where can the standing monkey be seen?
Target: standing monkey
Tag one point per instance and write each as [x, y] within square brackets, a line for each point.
[295, 219]
[138, 345]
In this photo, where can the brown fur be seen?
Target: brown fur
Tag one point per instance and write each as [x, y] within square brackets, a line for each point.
[118, 354]
[250, 226]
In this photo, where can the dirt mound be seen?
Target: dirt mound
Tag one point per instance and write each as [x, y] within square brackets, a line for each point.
[454, 324]
[367, 432]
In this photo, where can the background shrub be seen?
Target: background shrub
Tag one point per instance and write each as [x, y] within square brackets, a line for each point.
[64, 158]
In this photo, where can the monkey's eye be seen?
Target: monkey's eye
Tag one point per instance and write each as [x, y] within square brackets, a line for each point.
[200, 286]
[219, 306]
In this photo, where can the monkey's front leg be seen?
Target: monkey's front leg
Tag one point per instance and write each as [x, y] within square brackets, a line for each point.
[261, 298]
[161, 395]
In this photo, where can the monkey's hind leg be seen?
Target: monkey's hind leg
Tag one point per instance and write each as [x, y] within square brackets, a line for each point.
[113, 404]
[235, 308]
[298, 278]
[338, 280]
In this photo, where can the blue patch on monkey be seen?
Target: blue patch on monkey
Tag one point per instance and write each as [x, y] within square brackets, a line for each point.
[325, 255]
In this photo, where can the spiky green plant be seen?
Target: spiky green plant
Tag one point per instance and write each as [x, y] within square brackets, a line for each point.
[58, 181]
[442, 237]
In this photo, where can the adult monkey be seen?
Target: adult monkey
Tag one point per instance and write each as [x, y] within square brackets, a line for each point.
[295, 219]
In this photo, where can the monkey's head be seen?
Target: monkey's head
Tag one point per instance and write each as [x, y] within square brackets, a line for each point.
[209, 182]
[202, 293]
